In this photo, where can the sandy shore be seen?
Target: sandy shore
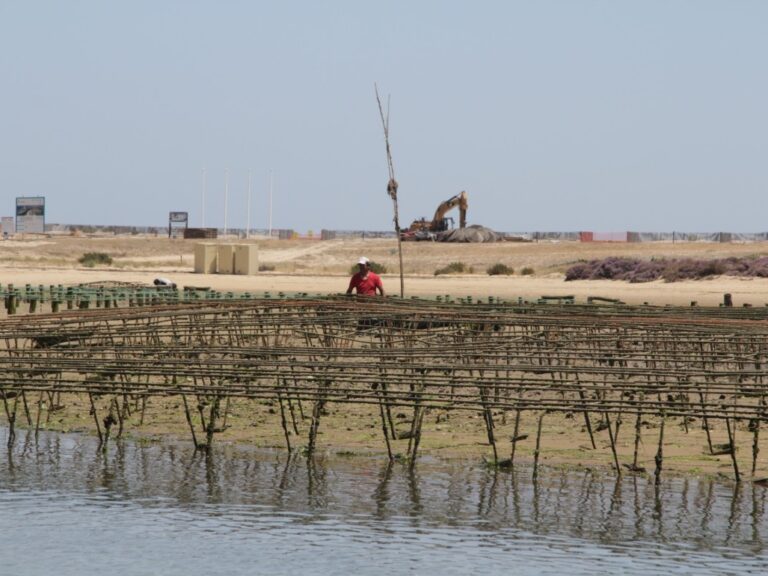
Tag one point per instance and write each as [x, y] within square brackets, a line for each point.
[322, 267]
[752, 291]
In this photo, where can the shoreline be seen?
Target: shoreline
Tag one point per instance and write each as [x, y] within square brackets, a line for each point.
[750, 291]
[355, 431]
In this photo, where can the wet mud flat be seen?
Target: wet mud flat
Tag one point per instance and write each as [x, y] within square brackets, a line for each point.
[624, 387]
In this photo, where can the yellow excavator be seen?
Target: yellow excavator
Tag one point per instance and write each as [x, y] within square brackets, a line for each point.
[424, 229]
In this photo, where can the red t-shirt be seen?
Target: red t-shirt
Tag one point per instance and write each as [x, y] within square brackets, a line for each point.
[366, 286]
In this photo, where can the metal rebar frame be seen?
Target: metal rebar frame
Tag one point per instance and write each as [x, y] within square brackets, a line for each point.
[488, 358]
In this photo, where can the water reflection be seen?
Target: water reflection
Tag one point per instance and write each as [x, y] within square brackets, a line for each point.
[238, 485]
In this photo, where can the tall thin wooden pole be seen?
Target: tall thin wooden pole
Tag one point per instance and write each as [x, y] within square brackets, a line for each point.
[392, 186]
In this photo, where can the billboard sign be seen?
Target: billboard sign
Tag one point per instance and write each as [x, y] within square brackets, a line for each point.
[177, 221]
[30, 214]
[178, 217]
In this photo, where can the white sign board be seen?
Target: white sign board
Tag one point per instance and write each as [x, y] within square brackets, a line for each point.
[30, 214]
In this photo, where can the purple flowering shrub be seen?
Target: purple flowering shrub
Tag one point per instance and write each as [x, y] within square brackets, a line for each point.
[634, 270]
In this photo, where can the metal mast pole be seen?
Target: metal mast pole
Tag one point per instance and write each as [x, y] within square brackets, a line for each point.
[226, 197]
[248, 218]
[202, 211]
[270, 203]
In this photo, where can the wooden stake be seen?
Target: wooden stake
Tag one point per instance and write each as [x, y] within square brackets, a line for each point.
[538, 447]
[384, 423]
[119, 413]
[613, 443]
[488, 414]
[189, 421]
[109, 420]
[732, 440]
[292, 412]
[39, 410]
[416, 438]
[638, 429]
[705, 422]
[755, 444]
[213, 416]
[514, 438]
[96, 419]
[316, 412]
[11, 415]
[587, 422]
[26, 408]
[143, 410]
[660, 452]
[284, 422]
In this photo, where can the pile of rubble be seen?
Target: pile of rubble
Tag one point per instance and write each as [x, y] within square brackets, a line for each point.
[473, 233]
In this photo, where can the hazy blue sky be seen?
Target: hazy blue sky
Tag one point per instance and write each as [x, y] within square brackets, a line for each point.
[552, 115]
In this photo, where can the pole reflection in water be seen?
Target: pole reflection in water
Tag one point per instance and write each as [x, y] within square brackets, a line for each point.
[249, 491]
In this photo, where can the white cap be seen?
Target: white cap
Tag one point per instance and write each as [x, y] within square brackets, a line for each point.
[363, 260]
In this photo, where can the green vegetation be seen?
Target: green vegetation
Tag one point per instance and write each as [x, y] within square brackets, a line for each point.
[454, 268]
[527, 271]
[91, 259]
[500, 269]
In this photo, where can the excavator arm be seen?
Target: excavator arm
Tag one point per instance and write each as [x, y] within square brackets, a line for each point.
[424, 229]
[459, 200]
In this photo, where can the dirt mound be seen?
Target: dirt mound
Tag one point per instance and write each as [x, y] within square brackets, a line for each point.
[474, 233]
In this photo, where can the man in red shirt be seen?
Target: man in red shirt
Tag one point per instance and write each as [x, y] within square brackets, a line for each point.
[365, 281]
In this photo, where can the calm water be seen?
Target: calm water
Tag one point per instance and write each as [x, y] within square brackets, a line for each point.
[69, 509]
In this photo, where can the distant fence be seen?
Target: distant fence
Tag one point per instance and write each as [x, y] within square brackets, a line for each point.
[324, 234]
[672, 237]
[596, 236]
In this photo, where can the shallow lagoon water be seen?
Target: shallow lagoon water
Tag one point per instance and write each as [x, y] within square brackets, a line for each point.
[67, 507]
